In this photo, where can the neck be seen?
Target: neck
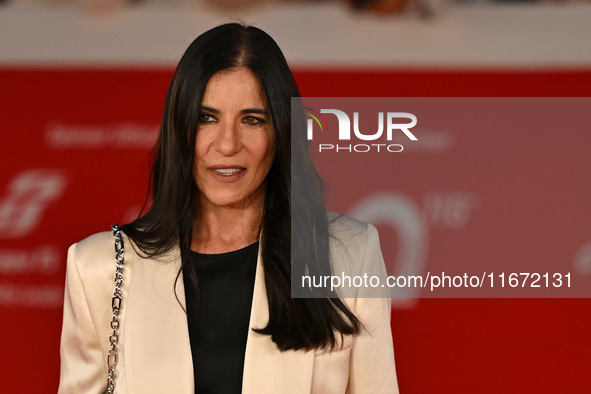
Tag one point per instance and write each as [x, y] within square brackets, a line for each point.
[220, 229]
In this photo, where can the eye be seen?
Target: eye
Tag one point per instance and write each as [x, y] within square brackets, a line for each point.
[206, 118]
[253, 121]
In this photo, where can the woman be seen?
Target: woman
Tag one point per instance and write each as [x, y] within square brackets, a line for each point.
[206, 291]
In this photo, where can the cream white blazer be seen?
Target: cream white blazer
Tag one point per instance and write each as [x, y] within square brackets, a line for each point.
[154, 350]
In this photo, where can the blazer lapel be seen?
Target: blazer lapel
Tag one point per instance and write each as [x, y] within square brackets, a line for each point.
[157, 352]
[266, 368]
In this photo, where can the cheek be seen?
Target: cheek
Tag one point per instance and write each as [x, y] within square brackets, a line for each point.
[267, 155]
[199, 148]
[199, 158]
[262, 155]
[202, 149]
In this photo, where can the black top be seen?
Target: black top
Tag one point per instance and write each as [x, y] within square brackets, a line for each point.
[219, 318]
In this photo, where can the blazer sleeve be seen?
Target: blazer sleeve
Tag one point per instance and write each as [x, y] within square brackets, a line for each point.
[83, 366]
[372, 368]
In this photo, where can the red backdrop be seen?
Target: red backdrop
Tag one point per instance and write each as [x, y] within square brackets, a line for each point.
[74, 150]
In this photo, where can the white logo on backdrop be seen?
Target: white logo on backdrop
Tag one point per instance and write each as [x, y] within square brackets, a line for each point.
[402, 214]
[43, 259]
[26, 198]
[127, 135]
[582, 260]
[451, 210]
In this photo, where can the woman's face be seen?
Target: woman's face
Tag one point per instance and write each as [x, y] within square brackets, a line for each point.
[234, 145]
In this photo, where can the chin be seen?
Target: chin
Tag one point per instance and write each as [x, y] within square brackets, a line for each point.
[231, 198]
[225, 200]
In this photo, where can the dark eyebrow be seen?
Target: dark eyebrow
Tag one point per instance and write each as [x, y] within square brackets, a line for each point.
[255, 111]
[209, 109]
[243, 112]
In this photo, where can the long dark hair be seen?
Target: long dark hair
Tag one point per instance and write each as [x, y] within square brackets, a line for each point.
[294, 323]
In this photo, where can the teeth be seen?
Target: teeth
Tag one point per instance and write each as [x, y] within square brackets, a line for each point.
[227, 171]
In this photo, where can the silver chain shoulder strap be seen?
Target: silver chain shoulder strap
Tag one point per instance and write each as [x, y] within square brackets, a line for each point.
[116, 303]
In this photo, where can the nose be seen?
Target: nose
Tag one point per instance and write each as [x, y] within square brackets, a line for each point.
[228, 139]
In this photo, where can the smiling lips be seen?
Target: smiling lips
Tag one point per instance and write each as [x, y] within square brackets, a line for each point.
[227, 174]
[228, 171]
